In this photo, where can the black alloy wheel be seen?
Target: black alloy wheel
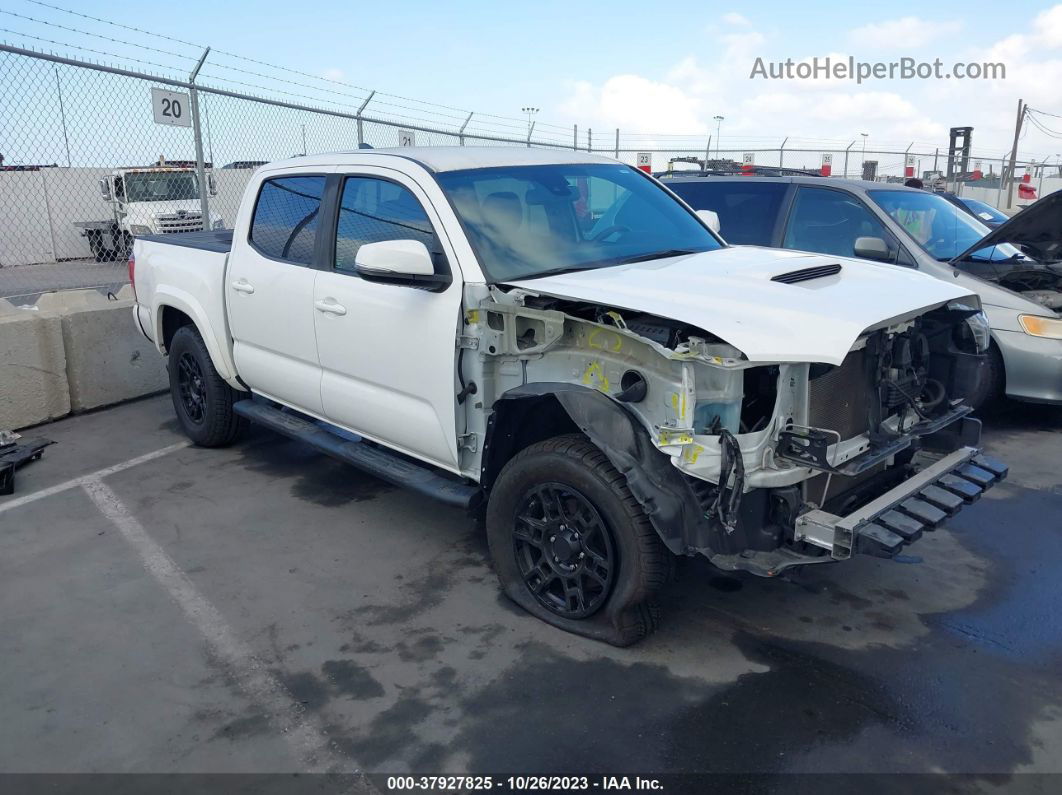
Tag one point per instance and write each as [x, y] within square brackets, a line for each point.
[564, 550]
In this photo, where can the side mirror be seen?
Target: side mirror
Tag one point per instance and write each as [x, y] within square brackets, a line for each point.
[105, 189]
[405, 262]
[212, 185]
[710, 218]
[872, 248]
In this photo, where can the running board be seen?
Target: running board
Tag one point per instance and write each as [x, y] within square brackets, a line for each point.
[371, 458]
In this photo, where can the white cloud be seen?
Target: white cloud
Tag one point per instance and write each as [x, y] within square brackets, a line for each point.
[635, 104]
[734, 18]
[683, 99]
[904, 33]
[333, 74]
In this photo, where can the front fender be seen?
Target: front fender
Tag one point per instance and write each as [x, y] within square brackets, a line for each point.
[663, 492]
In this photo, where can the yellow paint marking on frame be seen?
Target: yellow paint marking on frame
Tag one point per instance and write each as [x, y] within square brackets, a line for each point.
[595, 370]
[692, 453]
[615, 346]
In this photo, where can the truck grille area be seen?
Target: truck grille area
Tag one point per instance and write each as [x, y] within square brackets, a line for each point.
[840, 400]
[180, 223]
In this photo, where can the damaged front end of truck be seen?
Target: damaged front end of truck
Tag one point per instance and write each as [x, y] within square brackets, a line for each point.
[758, 465]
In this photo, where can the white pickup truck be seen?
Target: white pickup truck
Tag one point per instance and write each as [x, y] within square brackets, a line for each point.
[558, 344]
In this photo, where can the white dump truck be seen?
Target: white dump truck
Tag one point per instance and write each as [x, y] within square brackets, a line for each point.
[153, 200]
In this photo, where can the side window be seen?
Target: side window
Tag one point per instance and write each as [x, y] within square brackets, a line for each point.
[372, 210]
[285, 218]
[747, 210]
[829, 221]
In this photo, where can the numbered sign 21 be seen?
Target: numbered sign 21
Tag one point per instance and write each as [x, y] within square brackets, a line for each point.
[171, 107]
[407, 138]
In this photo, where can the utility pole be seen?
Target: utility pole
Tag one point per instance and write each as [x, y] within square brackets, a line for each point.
[1014, 152]
[718, 125]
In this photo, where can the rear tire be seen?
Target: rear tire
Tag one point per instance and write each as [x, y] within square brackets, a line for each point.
[572, 546]
[201, 398]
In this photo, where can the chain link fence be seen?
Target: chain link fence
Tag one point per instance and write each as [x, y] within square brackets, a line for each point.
[95, 155]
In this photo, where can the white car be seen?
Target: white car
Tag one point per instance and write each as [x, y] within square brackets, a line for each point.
[555, 341]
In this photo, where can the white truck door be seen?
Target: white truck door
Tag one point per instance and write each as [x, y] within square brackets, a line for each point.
[269, 293]
[387, 350]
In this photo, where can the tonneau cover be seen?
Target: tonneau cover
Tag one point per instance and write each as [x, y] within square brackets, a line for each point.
[217, 240]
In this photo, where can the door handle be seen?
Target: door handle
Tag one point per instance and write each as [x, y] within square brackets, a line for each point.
[243, 286]
[330, 306]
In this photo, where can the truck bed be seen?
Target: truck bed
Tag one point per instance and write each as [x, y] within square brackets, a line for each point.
[218, 241]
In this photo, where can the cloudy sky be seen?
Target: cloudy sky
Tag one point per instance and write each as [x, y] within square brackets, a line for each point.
[650, 70]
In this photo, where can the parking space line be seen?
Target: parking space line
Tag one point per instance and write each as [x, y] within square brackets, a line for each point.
[299, 728]
[92, 476]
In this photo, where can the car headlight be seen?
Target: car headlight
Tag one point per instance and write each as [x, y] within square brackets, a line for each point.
[982, 332]
[1039, 326]
[137, 230]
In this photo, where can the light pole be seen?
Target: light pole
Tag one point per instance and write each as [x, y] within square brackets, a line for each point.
[863, 165]
[718, 125]
[530, 117]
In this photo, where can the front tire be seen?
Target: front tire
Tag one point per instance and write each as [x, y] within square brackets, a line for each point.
[992, 384]
[572, 546]
[201, 398]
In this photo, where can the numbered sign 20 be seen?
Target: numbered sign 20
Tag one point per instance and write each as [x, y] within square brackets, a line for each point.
[407, 138]
[171, 107]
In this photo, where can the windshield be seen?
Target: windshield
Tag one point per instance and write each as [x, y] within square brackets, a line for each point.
[938, 226]
[528, 221]
[160, 186]
[986, 212]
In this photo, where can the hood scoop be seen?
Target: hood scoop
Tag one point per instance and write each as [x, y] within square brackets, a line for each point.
[807, 274]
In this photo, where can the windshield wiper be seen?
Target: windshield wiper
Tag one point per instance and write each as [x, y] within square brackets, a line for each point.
[671, 252]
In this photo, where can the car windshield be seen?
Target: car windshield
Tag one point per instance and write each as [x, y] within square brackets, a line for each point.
[160, 186]
[530, 221]
[986, 212]
[938, 226]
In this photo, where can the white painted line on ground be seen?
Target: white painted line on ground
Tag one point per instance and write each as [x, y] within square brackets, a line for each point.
[92, 476]
[299, 728]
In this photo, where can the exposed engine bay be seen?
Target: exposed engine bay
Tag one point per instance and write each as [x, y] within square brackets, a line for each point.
[746, 447]
[1042, 285]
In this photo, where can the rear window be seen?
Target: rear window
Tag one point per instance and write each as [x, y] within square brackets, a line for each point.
[747, 210]
[285, 218]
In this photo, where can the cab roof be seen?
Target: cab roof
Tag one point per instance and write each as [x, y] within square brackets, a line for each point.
[451, 158]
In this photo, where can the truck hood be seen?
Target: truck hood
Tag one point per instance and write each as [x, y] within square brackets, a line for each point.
[1037, 229]
[730, 293]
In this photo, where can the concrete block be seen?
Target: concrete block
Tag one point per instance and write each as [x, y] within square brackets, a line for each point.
[108, 360]
[69, 300]
[33, 383]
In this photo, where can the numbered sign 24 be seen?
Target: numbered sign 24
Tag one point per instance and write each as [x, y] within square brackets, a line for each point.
[171, 107]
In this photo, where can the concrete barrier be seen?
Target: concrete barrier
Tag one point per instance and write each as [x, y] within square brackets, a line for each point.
[73, 351]
[33, 384]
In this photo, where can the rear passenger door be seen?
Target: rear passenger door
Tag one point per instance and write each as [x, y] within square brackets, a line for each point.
[387, 351]
[269, 292]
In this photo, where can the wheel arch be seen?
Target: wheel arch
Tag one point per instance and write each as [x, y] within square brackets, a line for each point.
[535, 412]
[172, 311]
